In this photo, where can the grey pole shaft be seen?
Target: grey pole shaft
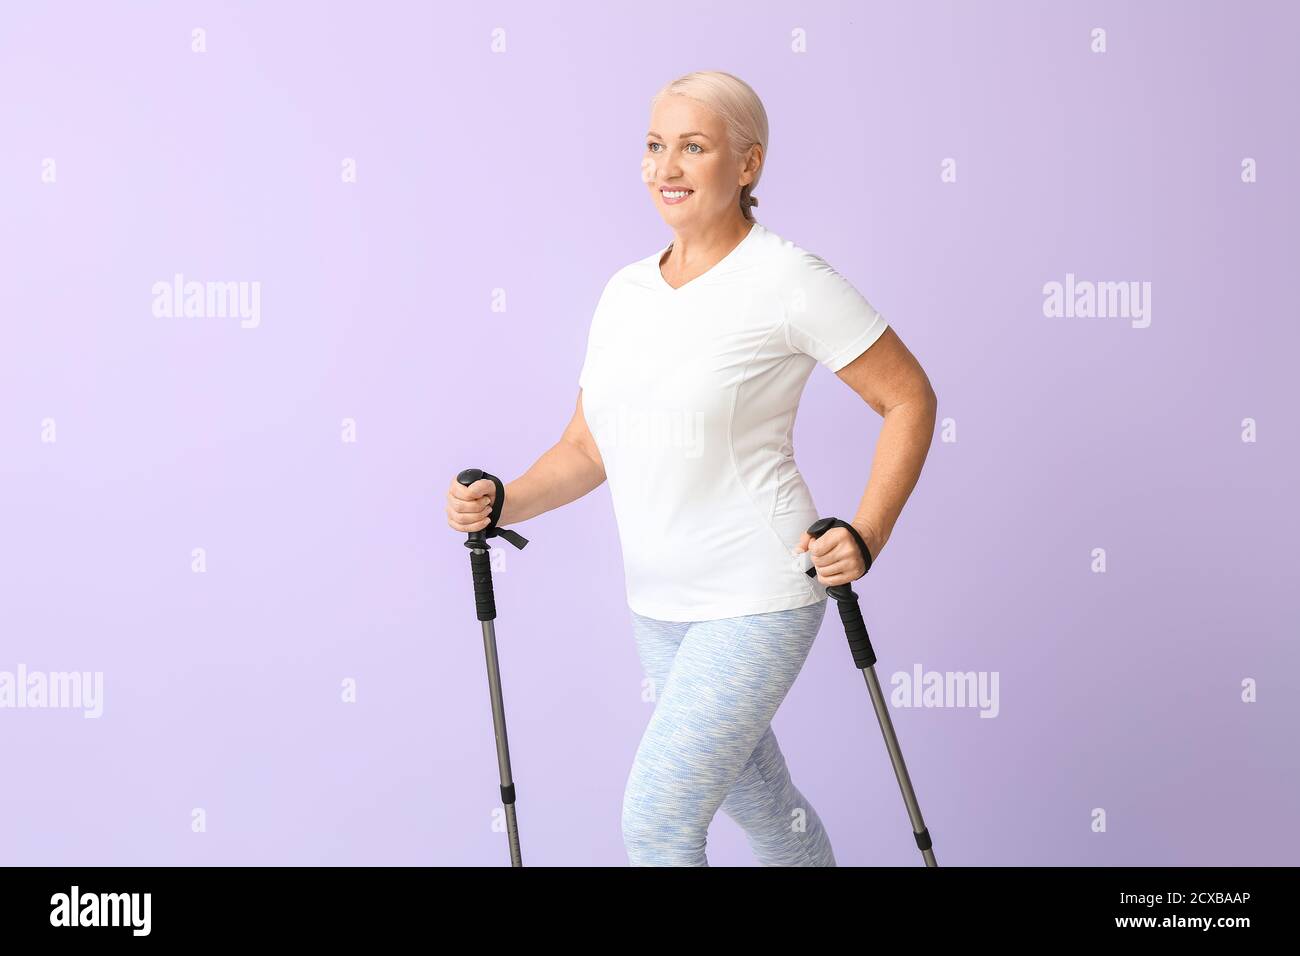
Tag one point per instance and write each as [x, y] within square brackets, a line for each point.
[896, 757]
[503, 745]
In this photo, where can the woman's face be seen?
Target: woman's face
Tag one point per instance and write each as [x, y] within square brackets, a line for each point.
[688, 166]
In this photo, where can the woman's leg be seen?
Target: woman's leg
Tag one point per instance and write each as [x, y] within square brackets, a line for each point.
[710, 740]
[656, 646]
[782, 827]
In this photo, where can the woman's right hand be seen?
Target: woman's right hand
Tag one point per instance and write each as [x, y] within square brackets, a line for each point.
[469, 507]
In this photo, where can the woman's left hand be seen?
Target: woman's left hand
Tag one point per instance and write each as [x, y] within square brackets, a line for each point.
[836, 555]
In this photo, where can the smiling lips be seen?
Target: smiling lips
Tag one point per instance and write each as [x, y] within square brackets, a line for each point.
[673, 196]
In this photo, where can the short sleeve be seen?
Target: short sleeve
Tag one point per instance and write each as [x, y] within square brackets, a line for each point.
[593, 330]
[586, 362]
[826, 317]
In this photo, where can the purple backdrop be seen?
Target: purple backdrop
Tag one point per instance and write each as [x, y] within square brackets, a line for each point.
[1106, 524]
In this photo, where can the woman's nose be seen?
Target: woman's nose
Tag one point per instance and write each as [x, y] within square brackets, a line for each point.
[667, 167]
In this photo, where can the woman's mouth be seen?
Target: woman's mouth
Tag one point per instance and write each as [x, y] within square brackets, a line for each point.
[673, 196]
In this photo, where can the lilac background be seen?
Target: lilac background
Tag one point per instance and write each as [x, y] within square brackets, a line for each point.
[328, 560]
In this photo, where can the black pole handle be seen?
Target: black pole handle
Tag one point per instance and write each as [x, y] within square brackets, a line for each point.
[480, 561]
[846, 598]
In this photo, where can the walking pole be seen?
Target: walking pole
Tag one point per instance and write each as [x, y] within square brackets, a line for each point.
[480, 564]
[865, 658]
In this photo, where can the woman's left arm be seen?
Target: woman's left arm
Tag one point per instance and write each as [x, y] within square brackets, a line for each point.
[889, 379]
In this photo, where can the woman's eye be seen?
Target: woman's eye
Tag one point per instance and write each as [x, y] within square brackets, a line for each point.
[651, 147]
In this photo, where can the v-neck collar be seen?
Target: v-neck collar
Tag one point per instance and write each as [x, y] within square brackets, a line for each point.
[663, 283]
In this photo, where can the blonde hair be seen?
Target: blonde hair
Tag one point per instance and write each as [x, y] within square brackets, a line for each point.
[742, 113]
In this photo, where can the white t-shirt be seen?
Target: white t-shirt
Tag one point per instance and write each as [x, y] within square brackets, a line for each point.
[690, 395]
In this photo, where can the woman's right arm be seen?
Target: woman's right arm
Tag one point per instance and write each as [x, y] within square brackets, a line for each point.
[564, 473]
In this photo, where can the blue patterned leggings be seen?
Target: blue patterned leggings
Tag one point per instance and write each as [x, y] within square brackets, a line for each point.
[709, 742]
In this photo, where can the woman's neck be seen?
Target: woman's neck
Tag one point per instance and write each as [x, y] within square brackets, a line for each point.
[698, 250]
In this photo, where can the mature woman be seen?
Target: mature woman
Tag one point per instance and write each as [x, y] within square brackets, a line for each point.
[696, 358]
